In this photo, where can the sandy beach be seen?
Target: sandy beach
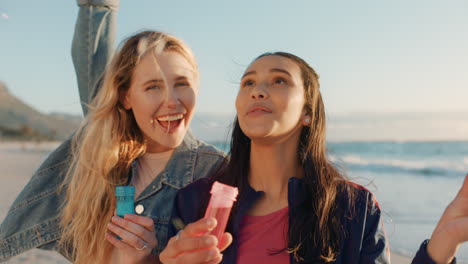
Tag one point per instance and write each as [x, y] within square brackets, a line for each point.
[18, 161]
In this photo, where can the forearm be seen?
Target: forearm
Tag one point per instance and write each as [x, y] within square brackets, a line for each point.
[442, 251]
[93, 45]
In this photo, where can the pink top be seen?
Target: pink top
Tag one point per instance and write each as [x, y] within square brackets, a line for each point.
[260, 237]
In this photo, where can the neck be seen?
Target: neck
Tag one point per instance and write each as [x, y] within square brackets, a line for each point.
[271, 166]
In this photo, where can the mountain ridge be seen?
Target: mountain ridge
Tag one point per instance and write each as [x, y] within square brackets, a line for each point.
[21, 121]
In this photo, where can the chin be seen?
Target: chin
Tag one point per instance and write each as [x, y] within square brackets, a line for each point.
[256, 135]
[172, 142]
[254, 132]
[166, 142]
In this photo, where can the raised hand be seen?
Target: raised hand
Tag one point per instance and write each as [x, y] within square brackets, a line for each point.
[193, 245]
[452, 229]
[138, 238]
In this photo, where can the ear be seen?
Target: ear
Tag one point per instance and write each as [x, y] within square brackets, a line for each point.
[306, 120]
[123, 98]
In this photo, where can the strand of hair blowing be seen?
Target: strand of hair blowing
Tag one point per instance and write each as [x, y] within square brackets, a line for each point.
[102, 152]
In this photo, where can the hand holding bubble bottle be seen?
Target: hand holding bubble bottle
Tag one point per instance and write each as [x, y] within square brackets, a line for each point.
[222, 199]
[124, 196]
[195, 241]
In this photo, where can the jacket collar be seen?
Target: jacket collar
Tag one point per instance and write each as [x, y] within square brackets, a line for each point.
[179, 169]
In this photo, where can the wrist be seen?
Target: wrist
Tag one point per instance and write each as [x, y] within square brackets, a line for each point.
[441, 253]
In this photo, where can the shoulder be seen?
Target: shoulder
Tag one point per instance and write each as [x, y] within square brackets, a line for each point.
[208, 159]
[360, 194]
[205, 149]
[202, 148]
[365, 226]
[358, 201]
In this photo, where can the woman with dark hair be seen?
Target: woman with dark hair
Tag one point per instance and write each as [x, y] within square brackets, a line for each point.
[294, 206]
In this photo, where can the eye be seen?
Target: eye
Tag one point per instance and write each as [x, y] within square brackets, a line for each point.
[280, 80]
[182, 84]
[153, 87]
[247, 83]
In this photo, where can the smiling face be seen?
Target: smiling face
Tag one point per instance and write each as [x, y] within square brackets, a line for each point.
[270, 102]
[162, 97]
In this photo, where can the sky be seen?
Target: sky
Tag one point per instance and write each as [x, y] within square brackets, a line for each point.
[373, 56]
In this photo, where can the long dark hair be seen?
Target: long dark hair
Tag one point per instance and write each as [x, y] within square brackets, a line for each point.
[314, 236]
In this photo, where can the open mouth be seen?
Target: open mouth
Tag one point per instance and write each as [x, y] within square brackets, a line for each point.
[170, 122]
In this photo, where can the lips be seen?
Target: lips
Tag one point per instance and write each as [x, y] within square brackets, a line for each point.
[258, 109]
[170, 122]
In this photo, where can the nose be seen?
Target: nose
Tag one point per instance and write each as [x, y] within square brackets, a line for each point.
[172, 99]
[259, 92]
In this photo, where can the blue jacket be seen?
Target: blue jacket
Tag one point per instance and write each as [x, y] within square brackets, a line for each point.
[364, 240]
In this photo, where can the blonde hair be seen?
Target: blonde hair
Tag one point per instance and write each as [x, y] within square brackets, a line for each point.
[103, 150]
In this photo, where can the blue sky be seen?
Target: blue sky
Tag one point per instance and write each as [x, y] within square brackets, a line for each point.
[372, 56]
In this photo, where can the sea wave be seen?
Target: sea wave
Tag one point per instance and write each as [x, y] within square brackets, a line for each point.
[420, 167]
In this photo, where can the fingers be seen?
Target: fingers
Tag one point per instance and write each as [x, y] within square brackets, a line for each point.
[187, 244]
[117, 243]
[194, 245]
[199, 227]
[131, 233]
[146, 222]
[225, 241]
[210, 255]
[207, 255]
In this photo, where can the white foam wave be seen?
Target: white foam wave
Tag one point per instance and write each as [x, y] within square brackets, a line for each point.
[424, 166]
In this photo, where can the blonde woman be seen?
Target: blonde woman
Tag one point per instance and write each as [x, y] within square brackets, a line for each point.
[135, 133]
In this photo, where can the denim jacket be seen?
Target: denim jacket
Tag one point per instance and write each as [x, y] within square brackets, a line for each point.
[33, 219]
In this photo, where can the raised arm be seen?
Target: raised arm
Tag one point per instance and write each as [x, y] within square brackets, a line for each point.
[33, 218]
[93, 45]
[450, 232]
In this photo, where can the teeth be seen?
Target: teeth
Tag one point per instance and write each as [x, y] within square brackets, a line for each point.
[171, 118]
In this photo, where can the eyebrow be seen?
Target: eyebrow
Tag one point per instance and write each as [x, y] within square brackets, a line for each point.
[271, 70]
[248, 73]
[181, 78]
[281, 70]
[152, 81]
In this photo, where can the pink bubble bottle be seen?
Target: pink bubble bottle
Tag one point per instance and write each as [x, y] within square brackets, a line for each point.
[222, 198]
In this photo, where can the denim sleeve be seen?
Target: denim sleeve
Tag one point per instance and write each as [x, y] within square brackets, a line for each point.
[33, 218]
[375, 247]
[93, 45]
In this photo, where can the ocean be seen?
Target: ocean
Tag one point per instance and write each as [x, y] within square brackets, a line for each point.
[413, 182]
